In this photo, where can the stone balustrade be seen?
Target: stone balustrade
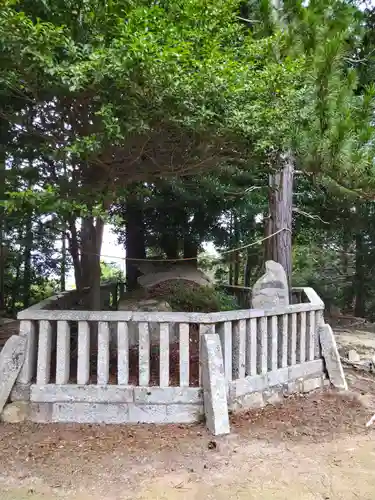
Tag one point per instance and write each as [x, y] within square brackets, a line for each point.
[76, 371]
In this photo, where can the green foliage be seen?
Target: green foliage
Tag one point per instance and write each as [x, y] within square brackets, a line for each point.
[185, 108]
[321, 269]
[110, 272]
[198, 298]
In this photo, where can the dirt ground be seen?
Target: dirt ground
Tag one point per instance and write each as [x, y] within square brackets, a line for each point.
[312, 447]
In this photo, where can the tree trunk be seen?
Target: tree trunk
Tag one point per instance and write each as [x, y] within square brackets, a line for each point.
[91, 238]
[247, 271]
[360, 276]
[169, 245]
[63, 262]
[74, 246]
[231, 259]
[63, 239]
[135, 241]
[3, 133]
[236, 274]
[348, 290]
[85, 251]
[236, 255]
[278, 246]
[15, 287]
[2, 265]
[27, 262]
[231, 272]
[191, 251]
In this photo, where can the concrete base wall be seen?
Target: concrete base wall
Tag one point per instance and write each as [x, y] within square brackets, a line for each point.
[273, 387]
[115, 404]
[115, 413]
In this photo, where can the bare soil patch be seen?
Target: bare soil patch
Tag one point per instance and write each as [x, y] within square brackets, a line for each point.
[111, 462]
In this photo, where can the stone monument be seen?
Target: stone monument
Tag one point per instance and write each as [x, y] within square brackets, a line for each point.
[271, 290]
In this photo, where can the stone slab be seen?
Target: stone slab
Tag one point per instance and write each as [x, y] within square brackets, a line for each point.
[311, 384]
[306, 369]
[278, 377]
[115, 413]
[147, 414]
[90, 413]
[274, 396]
[52, 393]
[271, 290]
[240, 387]
[184, 413]
[248, 402]
[168, 395]
[11, 359]
[20, 392]
[214, 385]
[331, 357]
[41, 412]
[282, 376]
[294, 387]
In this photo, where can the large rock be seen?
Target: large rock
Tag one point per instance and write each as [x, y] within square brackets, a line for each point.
[11, 360]
[187, 273]
[16, 412]
[157, 278]
[271, 290]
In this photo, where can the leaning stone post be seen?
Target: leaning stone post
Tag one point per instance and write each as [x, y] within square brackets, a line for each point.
[214, 386]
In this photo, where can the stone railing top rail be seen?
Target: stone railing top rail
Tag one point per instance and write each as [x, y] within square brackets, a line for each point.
[310, 293]
[47, 303]
[163, 317]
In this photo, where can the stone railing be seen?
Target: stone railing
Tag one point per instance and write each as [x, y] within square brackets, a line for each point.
[74, 299]
[83, 366]
[243, 294]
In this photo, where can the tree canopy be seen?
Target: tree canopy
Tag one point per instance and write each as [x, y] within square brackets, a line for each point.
[166, 118]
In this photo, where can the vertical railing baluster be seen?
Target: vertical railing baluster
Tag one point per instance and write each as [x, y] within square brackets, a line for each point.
[292, 341]
[122, 353]
[83, 365]
[63, 353]
[251, 346]
[225, 334]
[164, 355]
[239, 348]
[283, 341]
[273, 343]
[319, 320]
[103, 353]
[310, 335]
[203, 328]
[29, 367]
[262, 345]
[184, 354]
[44, 353]
[302, 337]
[144, 353]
